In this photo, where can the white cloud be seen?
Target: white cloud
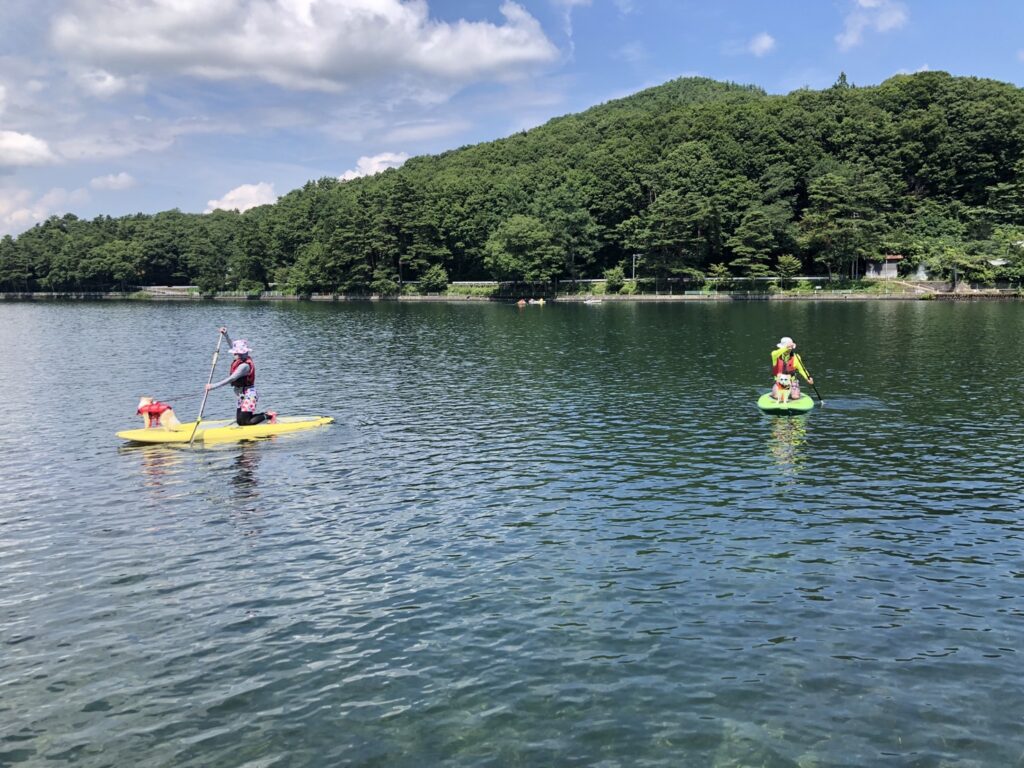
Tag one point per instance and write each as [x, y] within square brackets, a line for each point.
[23, 149]
[633, 53]
[16, 211]
[58, 198]
[879, 15]
[244, 197]
[567, 7]
[367, 166]
[891, 16]
[424, 131]
[325, 45]
[103, 84]
[133, 135]
[761, 44]
[922, 68]
[625, 7]
[19, 210]
[113, 181]
[116, 143]
[3, 99]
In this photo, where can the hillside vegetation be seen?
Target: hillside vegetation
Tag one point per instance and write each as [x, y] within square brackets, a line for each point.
[698, 177]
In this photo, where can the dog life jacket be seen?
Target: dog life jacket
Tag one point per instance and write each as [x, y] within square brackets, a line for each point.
[250, 378]
[154, 410]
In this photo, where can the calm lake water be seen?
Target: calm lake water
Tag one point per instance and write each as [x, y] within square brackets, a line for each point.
[562, 535]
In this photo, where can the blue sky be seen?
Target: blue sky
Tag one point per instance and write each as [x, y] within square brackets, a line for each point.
[123, 106]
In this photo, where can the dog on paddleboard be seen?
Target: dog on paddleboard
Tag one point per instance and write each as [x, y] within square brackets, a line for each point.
[156, 414]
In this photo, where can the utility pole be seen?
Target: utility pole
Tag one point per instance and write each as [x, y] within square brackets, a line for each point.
[636, 258]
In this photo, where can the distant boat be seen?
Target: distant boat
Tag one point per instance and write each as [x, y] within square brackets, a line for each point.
[592, 301]
[537, 301]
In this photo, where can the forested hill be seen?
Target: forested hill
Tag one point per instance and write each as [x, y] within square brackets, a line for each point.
[696, 176]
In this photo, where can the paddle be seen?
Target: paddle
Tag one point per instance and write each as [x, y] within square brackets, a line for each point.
[818, 394]
[813, 386]
[206, 394]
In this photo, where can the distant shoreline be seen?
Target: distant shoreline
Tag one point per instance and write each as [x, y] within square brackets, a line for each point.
[971, 295]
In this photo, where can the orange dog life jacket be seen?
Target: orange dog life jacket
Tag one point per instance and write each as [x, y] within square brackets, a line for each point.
[154, 410]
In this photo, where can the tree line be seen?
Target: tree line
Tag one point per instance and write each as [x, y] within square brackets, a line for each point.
[700, 178]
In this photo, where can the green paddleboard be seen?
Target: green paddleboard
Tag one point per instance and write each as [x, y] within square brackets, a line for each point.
[769, 404]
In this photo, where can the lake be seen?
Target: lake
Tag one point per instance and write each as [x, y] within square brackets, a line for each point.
[558, 535]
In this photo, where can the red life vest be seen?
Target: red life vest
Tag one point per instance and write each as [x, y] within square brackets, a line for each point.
[250, 378]
[785, 366]
[154, 409]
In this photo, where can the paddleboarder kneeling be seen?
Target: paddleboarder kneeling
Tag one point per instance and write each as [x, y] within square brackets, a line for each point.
[242, 378]
[786, 364]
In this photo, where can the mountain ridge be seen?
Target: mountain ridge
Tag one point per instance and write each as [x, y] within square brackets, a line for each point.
[700, 177]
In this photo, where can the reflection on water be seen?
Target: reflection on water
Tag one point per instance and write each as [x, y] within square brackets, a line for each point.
[788, 434]
[160, 466]
[243, 499]
[244, 478]
[163, 469]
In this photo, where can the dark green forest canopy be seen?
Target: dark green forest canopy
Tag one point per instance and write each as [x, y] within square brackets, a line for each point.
[696, 176]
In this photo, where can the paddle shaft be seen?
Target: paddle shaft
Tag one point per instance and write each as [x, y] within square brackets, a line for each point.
[815, 388]
[206, 393]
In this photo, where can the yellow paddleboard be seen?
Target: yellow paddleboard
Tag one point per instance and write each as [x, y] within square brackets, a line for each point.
[225, 431]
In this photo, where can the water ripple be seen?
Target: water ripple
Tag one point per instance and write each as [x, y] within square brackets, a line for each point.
[541, 537]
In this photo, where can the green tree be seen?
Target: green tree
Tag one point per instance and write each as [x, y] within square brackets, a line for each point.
[205, 263]
[311, 272]
[116, 263]
[614, 279]
[787, 268]
[718, 275]
[434, 280]
[15, 266]
[844, 219]
[571, 224]
[962, 268]
[522, 249]
[678, 230]
[1006, 199]
[753, 243]
[384, 283]
[162, 241]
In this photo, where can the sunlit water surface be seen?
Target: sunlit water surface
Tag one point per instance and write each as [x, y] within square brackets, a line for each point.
[561, 535]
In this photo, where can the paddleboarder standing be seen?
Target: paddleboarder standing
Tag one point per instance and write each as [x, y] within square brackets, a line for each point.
[786, 364]
[242, 378]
